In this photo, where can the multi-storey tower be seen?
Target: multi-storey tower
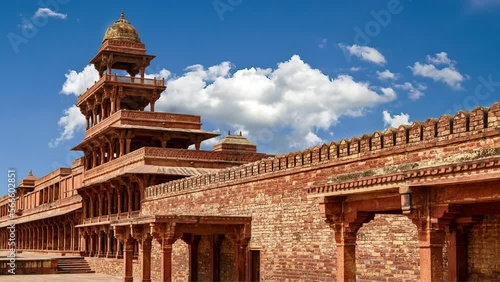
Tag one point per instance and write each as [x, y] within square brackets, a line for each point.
[128, 147]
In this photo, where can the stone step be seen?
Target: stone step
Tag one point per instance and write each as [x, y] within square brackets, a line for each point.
[73, 265]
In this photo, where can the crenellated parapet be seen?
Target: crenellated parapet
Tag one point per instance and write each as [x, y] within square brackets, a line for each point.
[479, 123]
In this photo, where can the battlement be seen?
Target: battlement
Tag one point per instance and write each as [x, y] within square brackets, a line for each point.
[481, 122]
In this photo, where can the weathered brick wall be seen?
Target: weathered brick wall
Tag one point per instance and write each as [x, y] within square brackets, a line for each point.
[387, 249]
[204, 252]
[180, 261]
[484, 250]
[227, 272]
[280, 214]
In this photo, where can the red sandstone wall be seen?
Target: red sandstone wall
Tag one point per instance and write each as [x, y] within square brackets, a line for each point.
[287, 227]
[295, 243]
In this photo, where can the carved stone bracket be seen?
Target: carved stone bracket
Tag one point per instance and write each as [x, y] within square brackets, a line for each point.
[164, 233]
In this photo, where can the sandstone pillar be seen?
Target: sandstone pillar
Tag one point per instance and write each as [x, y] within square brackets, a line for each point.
[430, 243]
[166, 261]
[146, 259]
[109, 238]
[457, 255]
[128, 256]
[100, 252]
[91, 244]
[127, 145]
[240, 259]
[345, 222]
[65, 232]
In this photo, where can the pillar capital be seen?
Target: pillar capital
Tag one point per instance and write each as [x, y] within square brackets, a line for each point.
[165, 233]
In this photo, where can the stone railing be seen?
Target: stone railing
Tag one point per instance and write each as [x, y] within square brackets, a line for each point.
[153, 118]
[108, 218]
[446, 130]
[116, 164]
[105, 123]
[122, 79]
[146, 154]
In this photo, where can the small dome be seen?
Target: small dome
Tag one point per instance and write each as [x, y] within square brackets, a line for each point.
[30, 176]
[235, 143]
[123, 31]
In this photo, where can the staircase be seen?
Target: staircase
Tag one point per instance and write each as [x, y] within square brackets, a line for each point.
[73, 265]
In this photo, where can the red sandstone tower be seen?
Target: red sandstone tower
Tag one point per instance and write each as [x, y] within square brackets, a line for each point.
[127, 148]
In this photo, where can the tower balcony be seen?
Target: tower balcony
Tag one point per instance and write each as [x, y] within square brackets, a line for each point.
[126, 118]
[120, 86]
[167, 162]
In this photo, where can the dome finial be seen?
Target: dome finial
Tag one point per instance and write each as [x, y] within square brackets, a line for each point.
[122, 16]
[30, 173]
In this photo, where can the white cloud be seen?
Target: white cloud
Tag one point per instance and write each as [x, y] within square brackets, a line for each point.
[387, 74]
[396, 120]
[77, 82]
[414, 92]
[322, 44]
[355, 69]
[440, 59]
[280, 108]
[72, 121]
[48, 13]
[313, 139]
[448, 74]
[365, 53]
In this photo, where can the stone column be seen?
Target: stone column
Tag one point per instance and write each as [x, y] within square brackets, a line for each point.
[84, 207]
[457, 255]
[101, 155]
[39, 237]
[119, 253]
[345, 222]
[94, 157]
[99, 244]
[91, 243]
[152, 105]
[128, 256]
[109, 238]
[430, 243]
[110, 151]
[122, 146]
[109, 194]
[119, 198]
[57, 247]
[103, 109]
[146, 258]
[346, 256]
[127, 145]
[240, 259]
[51, 236]
[65, 231]
[166, 261]
[129, 198]
[99, 203]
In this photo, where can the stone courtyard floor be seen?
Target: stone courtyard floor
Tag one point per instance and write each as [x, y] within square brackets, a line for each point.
[60, 278]
[84, 277]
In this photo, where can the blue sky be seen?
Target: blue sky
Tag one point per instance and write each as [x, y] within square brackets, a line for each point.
[289, 74]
